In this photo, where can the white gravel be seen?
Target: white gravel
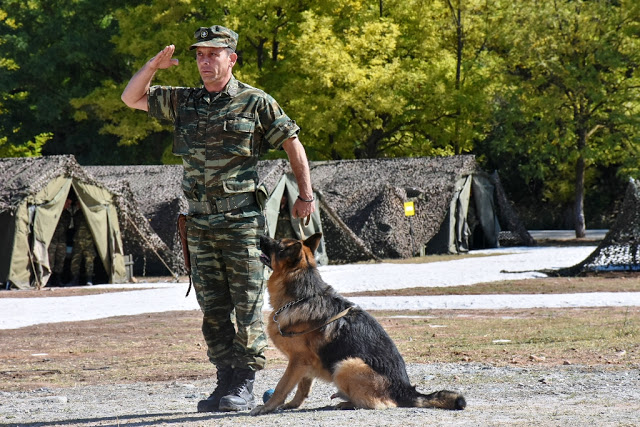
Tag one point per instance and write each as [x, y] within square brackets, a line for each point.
[496, 396]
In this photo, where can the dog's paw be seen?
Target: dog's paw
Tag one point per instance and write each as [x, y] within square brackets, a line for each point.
[290, 405]
[345, 406]
[261, 410]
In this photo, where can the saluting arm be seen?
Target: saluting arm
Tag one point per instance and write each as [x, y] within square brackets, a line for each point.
[136, 92]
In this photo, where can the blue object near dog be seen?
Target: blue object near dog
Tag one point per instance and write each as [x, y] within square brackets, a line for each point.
[267, 395]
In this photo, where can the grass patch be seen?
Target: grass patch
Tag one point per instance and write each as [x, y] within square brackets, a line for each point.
[595, 336]
[169, 346]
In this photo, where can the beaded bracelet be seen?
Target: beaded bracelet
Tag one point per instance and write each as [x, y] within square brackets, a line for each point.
[305, 200]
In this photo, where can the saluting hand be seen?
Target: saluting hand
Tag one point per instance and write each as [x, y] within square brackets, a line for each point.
[164, 59]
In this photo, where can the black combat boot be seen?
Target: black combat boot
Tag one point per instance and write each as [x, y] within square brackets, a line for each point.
[210, 404]
[240, 395]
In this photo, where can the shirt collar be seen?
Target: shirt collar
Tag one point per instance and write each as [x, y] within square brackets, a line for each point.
[231, 90]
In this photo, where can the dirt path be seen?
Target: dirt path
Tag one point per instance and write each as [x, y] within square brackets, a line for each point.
[565, 395]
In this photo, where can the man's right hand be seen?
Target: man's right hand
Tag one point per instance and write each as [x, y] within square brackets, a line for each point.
[163, 59]
[135, 94]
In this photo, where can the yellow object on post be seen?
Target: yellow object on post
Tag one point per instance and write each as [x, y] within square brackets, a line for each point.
[408, 209]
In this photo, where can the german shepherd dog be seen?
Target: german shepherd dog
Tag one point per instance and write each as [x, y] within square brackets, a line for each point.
[326, 336]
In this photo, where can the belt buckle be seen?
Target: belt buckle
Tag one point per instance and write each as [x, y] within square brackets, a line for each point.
[222, 205]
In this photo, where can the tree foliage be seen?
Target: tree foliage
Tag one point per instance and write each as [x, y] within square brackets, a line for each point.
[53, 51]
[544, 91]
[574, 94]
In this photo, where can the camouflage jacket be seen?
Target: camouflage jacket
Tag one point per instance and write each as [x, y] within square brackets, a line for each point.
[220, 136]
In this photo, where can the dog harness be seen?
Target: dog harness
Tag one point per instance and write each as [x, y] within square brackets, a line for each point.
[293, 334]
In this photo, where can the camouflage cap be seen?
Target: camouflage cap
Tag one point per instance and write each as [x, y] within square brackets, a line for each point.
[215, 36]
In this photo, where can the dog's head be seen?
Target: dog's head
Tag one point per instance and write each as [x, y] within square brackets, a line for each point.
[288, 253]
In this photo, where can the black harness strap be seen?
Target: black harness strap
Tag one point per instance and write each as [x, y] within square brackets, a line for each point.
[293, 334]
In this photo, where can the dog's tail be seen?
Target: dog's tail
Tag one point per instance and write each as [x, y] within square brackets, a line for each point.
[443, 399]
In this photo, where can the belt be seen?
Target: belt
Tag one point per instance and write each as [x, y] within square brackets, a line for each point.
[223, 204]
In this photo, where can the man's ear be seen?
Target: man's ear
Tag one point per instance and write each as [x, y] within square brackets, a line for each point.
[313, 241]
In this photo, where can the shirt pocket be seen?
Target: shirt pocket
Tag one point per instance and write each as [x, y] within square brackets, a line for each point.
[238, 134]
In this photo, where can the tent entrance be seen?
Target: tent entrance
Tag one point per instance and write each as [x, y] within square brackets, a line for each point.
[471, 221]
[72, 250]
[280, 221]
[33, 226]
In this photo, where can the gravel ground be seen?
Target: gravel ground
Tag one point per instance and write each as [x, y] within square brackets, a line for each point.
[540, 396]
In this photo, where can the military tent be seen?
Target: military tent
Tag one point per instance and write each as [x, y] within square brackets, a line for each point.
[282, 191]
[157, 190]
[157, 193]
[32, 196]
[620, 248]
[456, 207]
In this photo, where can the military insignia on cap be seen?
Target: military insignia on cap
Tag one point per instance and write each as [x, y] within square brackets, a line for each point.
[204, 34]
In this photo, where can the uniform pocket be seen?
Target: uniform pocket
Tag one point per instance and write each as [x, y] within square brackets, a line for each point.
[239, 131]
[234, 185]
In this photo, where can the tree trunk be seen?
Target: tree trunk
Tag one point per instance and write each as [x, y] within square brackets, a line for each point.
[578, 213]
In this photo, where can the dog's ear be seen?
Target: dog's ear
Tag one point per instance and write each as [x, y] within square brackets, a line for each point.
[313, 241]
[292, 250]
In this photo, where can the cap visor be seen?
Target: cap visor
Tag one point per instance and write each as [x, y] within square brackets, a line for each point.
[209, 43]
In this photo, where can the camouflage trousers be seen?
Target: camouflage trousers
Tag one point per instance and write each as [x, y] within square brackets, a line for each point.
[83, 249]
[228, 278]
[57, 254]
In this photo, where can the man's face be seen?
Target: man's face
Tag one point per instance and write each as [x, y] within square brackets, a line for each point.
[215, 65]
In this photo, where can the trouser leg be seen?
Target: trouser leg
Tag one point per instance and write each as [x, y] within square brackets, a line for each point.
[229, 282]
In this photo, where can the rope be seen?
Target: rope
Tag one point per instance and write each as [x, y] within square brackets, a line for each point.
[151, 247]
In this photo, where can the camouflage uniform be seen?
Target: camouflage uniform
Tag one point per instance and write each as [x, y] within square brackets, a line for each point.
[220, 137]
[58, 245]
[83, 248]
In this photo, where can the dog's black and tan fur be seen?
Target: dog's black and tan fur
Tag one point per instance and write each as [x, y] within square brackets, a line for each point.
[354, 352]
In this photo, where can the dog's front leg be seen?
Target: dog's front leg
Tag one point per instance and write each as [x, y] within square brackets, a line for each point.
[292, 376]
[304, 388]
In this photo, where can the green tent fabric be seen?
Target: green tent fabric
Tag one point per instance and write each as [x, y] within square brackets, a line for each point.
[288, 187]
[473, 192]
[31, 201]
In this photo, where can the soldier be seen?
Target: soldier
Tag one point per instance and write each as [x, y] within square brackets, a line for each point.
[83, 249]
[220, 130]
[58, 245]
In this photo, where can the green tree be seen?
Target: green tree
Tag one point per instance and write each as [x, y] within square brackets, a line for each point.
[53, 51]
[362, 79]
[146, 28]
[374, 80]
[574, 99]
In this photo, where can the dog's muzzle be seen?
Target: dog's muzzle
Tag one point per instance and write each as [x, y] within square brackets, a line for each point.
[265, 260]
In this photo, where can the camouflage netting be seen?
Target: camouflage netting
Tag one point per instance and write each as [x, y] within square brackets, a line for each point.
[24, 177]
[620, 249]
[270, 172]
[28, 176]
[514, 232]
[369, 196]
[361, 202]
[157, 193]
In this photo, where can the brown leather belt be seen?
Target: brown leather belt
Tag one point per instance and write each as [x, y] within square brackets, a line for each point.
[224, 204]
